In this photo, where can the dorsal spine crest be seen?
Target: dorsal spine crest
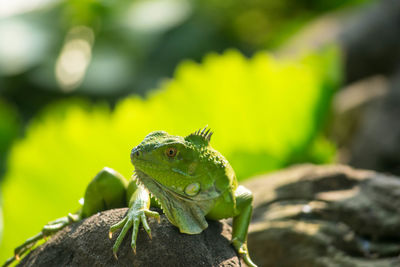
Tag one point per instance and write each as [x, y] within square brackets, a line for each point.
[204, 134]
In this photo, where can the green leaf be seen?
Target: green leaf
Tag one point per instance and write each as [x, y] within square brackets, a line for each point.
[263, 111]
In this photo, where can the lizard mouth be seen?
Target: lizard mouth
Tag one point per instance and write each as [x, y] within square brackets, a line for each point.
[185, 213]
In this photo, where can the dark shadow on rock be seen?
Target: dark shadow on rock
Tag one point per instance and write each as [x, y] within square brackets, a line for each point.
[376, 145]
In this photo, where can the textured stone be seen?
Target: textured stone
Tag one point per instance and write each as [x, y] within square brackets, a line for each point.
[325, 216]
[86, 243]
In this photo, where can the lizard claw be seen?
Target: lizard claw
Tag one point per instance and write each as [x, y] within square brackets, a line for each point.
[153, 214]
[241, 248]
[132, 219]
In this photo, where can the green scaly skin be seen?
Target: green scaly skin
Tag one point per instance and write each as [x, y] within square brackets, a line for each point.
[189, 180]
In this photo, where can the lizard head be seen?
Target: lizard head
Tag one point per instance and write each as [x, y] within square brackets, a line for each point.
[181, 173]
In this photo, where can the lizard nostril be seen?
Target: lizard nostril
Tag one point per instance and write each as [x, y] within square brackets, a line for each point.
[137, 153]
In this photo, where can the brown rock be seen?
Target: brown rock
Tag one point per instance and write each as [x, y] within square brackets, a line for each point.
[377, 143]
[86, 243]
[325, 216]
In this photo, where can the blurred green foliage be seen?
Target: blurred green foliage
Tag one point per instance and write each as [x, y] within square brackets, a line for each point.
[138, 42]
[266, 113]
[256, 24]
[9, 129]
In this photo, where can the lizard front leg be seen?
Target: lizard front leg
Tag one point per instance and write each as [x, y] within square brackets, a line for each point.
[241, 223]
[48, 230]
[139, 204]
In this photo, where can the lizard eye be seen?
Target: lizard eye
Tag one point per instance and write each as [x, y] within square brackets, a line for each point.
[171, 152]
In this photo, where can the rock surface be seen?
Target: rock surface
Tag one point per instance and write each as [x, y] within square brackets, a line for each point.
[304, 216]
[325, 216]
[86, 243]
[377, 143]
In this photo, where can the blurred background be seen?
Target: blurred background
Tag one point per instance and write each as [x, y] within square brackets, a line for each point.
[279, 82]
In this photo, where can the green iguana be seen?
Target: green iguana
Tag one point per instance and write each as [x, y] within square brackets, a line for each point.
[187, 178]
